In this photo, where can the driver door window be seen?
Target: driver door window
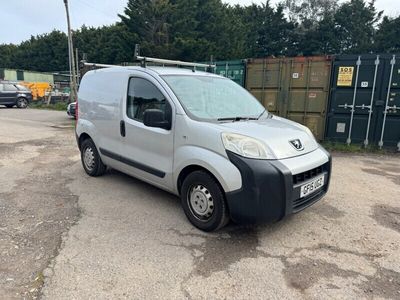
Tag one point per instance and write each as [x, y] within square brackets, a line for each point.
[142, 95]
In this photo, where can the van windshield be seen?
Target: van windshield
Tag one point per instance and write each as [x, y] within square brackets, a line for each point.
[213, 98]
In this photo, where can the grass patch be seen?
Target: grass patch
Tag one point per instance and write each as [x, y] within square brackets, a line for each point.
[354, 148]
[61, 106]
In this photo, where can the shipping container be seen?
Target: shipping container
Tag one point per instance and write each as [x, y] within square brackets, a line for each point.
[29, 76]
[296, 88]
[61, 78]
[365, 100]
[232, 69]
[37, 77]
[7, 74]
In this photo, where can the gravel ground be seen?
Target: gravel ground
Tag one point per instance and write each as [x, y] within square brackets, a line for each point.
[64, 235]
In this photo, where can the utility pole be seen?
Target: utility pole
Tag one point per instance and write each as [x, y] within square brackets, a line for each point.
[73, 86]
[77, 67]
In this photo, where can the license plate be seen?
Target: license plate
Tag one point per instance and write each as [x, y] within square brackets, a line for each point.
[312, 186]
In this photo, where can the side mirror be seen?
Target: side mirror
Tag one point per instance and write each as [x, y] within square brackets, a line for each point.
[155, 118]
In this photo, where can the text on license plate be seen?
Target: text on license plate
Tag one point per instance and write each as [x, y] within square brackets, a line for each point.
[312, 186]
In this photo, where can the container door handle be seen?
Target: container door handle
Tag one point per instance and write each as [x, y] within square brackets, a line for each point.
[122, 128]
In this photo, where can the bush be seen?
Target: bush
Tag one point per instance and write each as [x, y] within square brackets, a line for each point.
[61, 106]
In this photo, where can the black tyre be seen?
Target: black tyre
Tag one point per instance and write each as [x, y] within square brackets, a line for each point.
[22, 103]
[9, 105]
[203, 201]
[91, 160]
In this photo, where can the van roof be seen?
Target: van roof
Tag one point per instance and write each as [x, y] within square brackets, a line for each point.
[159, 70]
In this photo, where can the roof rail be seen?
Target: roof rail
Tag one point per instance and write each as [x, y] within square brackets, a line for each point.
[162, 61]
[144, 60]
[97, 65]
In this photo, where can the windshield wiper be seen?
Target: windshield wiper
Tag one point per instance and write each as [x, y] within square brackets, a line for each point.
[236, 119]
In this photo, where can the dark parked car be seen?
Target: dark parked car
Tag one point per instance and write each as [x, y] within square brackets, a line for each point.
[71, 109]
[14, 94]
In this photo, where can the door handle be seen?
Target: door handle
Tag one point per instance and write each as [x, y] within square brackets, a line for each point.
[122, 128]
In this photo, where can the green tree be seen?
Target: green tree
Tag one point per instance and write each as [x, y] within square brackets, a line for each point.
[314, 25]
[108, 44]
[7, 52]
[268, 31]
[46, 52]
[309, 13]
[355, 23]
[388, 35]
[147, 20]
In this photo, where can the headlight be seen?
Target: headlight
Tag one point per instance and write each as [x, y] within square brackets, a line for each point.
[246, 146]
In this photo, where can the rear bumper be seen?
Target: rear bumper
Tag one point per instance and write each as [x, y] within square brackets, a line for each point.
[270, 191]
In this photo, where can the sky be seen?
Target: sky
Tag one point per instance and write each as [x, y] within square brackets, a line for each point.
[19, 19]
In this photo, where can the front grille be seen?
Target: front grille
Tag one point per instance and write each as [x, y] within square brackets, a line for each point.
[307, 175]
[301, 203]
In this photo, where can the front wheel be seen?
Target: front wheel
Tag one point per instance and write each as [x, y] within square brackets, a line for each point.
[203, 201]
[91, 160]
[22, 103]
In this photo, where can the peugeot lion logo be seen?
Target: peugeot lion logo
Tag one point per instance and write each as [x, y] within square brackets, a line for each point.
[297, 144]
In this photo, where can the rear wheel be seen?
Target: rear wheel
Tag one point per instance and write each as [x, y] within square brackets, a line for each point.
[203, 201]
[91, 160]
[22, 103]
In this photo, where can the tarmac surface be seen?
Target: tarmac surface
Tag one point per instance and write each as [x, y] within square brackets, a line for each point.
[65, 235]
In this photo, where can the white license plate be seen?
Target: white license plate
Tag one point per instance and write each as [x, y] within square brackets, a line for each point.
[312, 186]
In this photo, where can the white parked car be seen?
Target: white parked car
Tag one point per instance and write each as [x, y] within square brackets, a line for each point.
[202, 137]
[71, 110]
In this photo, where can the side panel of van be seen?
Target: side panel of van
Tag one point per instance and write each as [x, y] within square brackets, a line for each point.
[100, 101]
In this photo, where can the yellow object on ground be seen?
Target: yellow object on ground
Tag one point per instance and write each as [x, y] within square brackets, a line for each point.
[38, 89]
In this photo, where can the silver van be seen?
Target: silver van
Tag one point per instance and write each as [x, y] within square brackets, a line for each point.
[201, 137]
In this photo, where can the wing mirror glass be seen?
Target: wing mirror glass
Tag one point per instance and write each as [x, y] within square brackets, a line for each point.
[156, 118]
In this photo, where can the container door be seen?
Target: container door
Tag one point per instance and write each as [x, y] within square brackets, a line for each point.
[264, 81]
[293, 88]
[306, 100]
[388, 119]
[354, 95]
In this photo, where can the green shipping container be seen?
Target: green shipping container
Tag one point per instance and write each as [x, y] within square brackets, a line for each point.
[10, 75]
[38, 77]
[28, 76]
[232, 69]
[296, 88]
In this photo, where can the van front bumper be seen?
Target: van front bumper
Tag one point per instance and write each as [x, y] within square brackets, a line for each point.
[270, 191]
